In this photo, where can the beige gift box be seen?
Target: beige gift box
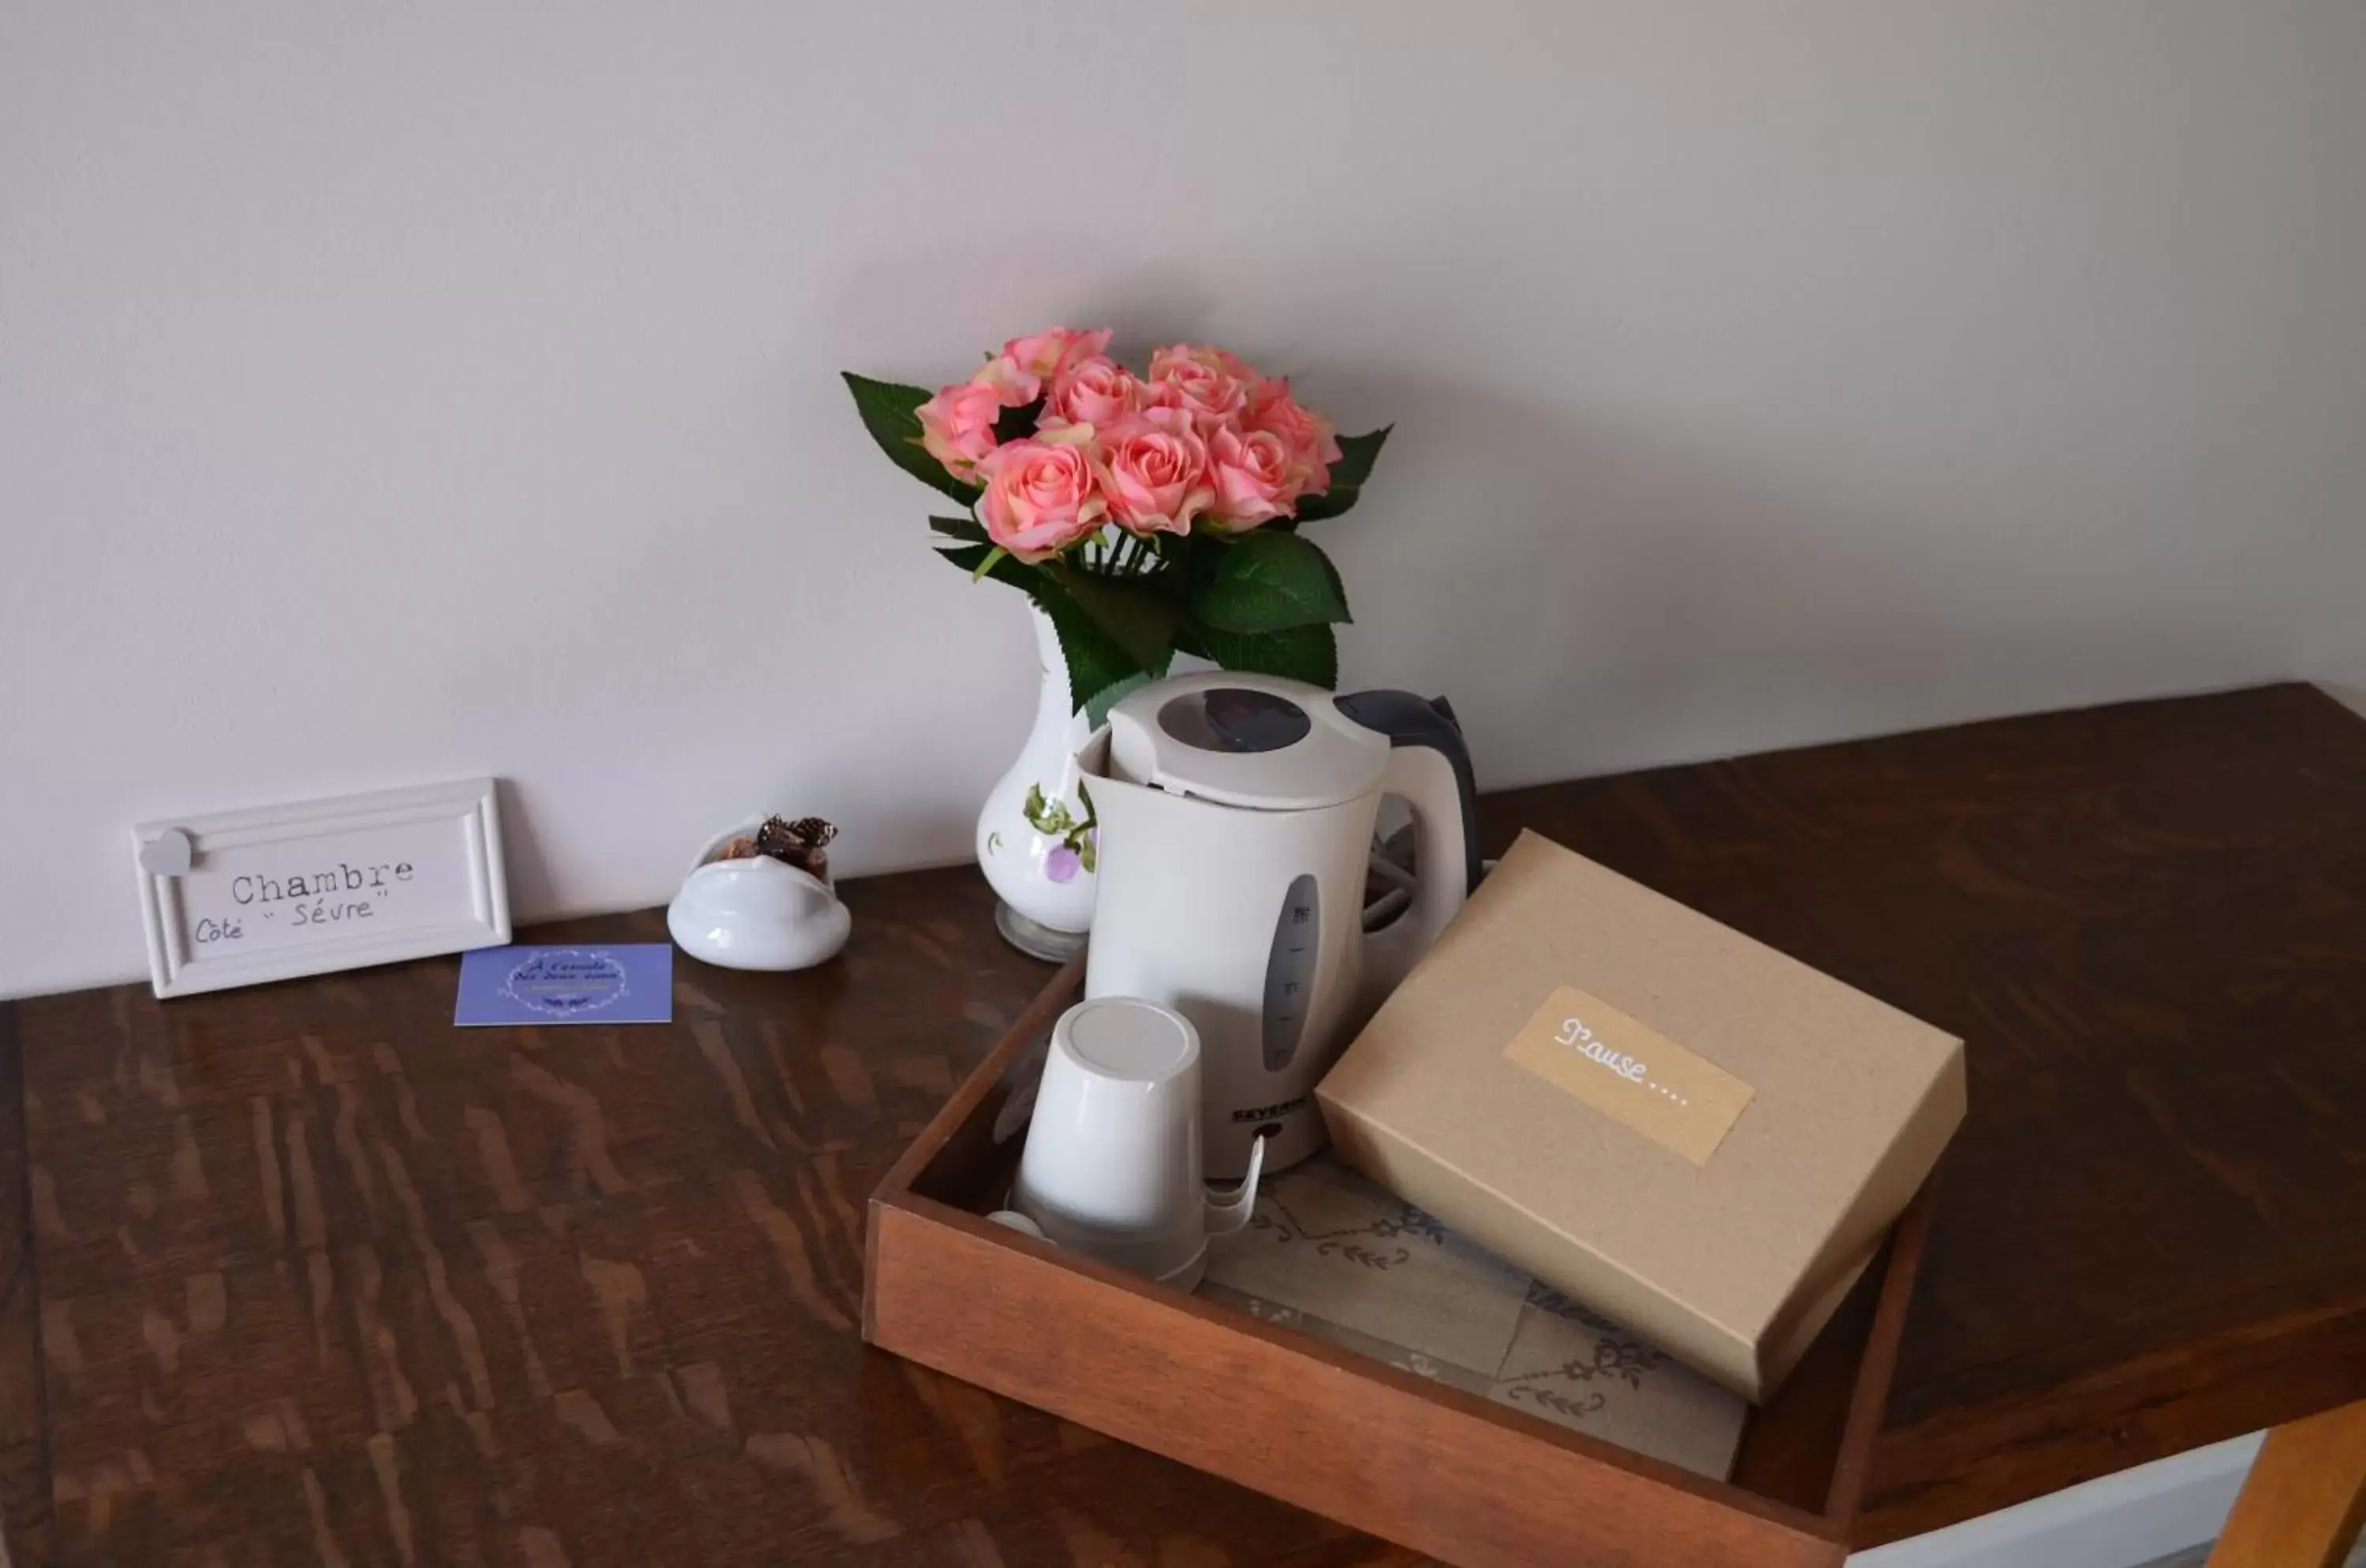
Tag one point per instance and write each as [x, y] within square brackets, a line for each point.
[1674, 1124]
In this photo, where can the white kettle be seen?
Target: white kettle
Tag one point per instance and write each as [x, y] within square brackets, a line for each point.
[1236, 815]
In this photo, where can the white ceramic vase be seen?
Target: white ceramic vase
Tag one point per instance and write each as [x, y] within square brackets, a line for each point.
[1037, 838]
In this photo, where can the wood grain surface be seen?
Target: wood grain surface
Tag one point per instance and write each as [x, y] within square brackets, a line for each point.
[304, 1275]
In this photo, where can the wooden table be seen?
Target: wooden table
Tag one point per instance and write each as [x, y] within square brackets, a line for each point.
[303, 1274]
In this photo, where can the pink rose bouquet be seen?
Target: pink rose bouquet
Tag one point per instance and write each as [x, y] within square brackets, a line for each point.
[1144, 513]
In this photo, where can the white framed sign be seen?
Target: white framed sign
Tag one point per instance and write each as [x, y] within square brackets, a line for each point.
[237, 898]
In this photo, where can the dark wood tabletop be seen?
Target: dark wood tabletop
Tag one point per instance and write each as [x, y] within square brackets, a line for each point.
[303, 1274]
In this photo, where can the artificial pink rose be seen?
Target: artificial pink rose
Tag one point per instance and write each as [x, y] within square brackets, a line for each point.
[1011, 387]
[1061, 348]
[1099, 391]
[1206, 383]
[1040, 497]
[1154, 469]
[1019, 371]
[957, 427]
[1207, 354]
[1313, 444]
[1251, 472]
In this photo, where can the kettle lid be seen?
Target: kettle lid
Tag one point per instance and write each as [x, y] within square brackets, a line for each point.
[1237, 738]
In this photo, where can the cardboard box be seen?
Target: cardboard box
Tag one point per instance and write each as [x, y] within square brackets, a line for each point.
[1675, 1126]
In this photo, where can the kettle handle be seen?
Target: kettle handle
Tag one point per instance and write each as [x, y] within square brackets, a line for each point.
[1429, 765]
[1227, 1215]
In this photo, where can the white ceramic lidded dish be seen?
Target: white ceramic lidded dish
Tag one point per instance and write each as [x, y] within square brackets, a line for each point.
[756, 912]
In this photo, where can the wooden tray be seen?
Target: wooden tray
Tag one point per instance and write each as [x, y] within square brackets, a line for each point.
[1430, 1467]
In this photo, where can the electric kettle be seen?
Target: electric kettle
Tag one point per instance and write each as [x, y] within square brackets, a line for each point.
[1236, 815]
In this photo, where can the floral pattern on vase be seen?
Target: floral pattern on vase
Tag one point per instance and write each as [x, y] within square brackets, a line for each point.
[1079, 840]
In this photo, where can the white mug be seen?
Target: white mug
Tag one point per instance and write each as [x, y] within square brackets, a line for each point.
[1111, 1165]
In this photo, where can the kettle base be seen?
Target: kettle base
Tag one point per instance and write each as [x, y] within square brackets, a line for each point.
[1035, 939]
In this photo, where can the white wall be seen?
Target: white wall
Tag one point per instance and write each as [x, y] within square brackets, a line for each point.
[393, 393]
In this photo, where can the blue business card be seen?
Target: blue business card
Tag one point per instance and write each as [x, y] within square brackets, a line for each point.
[632, 983]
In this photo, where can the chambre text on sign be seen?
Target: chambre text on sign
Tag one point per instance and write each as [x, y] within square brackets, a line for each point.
[241, 899]
[326, 896]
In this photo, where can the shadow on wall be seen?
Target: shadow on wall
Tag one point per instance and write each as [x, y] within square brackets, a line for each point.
[871, 831]
[533, 895]
[1598, 594]
[2351, 696]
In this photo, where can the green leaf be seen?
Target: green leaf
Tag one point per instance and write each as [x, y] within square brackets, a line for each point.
[1018, 424]
[1357, 456]
[1095, 660]
[1138, 617]
[1100, 669]
[974, 561]
[1096, 711]
[1271, 582]
[960, 528]
[1302, 653]
[891, 414]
